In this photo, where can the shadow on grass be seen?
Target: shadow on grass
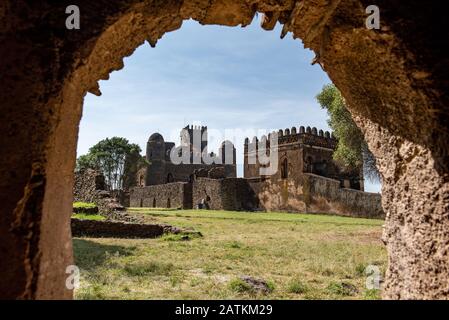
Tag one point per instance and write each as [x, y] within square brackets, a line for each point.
[89, 255]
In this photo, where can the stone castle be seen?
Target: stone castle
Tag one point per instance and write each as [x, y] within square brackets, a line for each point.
[304, 151]
[306, 179]
[161, 170]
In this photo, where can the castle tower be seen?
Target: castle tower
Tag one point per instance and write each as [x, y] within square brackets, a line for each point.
[195, 139]
[303, 152]
[227, 155]
[192, 134]
[155, 147]
[155, 155]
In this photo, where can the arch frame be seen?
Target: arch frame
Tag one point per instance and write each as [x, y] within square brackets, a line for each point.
[403, 117]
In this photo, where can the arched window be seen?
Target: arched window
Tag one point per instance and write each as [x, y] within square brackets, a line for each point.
[170, 178]
[284, 169]
[168, 203]
[154, 202]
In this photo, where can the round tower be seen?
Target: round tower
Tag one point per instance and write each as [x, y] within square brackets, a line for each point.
[155, 147]
[156, 158]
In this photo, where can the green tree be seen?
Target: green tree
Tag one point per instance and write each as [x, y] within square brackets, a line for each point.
[86, 161]
[352, 149]
[109, 156]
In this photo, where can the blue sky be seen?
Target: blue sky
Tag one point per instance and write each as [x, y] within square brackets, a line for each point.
[225, 78]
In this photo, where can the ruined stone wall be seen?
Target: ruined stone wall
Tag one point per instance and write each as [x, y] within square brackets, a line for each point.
[89, 187]
[279, 195]
[326, 195]
[170, 195]
[121, 196]
[232, 194]
[86, 185]
[308, 193]
[209, 190]
[237, 195]
[114, 229]
[315, 194]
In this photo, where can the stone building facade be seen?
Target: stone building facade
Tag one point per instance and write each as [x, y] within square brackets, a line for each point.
[306, 150]
[169, 195]
[160, 168]
[307, 179]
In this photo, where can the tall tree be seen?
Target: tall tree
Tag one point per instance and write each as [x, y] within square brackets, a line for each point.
[133, 163]
[109, 156]
[86, 161]
[352, 149]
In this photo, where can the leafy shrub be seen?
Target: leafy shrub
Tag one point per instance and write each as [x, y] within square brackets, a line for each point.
[297, 287]
[360, 269]
[255, 286]
[271, 286]
[240, 286]
[341, 289]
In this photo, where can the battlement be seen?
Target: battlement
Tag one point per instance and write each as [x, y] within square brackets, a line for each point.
[189, 132]
[304, 135]
[193, 127]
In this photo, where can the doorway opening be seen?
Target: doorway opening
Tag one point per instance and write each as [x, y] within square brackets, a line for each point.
[222, 88]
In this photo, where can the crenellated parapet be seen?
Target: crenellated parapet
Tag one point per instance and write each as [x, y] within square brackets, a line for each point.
[303, 135]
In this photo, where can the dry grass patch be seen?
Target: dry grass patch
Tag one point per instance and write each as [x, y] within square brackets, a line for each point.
[301, 256]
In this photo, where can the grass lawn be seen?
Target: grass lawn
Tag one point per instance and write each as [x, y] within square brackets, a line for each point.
[301, 256]
[83, 216]
[88, 205]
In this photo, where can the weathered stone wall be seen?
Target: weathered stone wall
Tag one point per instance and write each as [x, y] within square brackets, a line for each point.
[89, 187]
[302, 192]
[309, 193]
[324, 195]
[121, 196]
[209, 190]
[238, 195]
[279, 195]
[114, 229]
[232, 194]
[315, 194]
[170, 195]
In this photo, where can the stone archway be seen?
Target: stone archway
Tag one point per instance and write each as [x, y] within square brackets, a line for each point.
[393, 80]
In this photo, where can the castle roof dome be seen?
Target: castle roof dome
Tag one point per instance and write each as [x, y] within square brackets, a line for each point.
[156, 137]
